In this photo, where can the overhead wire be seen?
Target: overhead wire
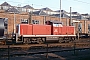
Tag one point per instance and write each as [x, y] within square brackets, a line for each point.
[82, 2]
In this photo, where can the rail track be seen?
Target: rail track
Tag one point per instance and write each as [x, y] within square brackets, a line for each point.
[14, 51]
[78, 45]
[31, 49]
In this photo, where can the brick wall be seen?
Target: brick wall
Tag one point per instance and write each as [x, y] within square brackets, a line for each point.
[42, 19]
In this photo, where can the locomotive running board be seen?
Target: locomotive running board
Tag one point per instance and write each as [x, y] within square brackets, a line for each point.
[48, 35]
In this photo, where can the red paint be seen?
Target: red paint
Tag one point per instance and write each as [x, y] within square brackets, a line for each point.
[41, 29]
[70, 30]
[36, 29]
[64, 30]
[29, 30]
[60, 31]
[55, 30]
[25, 29]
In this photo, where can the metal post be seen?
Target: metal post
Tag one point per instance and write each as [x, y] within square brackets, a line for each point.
[70, 17]
[47, 52]
[8, 53]
[14, 22]
[60, 11]
[74, 47]
[30, 16]
[66, 22]
[44, 19]
[78, 32]
[85, 26]
[31, 13]
[47, 16]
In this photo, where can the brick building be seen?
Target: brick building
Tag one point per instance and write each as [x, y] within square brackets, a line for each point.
[24, 17]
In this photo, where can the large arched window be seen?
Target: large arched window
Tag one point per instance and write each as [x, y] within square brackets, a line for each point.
[24, 21]
[88, 28]
[35, 22]
[80, 27]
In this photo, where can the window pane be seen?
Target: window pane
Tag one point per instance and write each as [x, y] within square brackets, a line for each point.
[35, 21]
[25, 21]
[80, 27]
[88, 28]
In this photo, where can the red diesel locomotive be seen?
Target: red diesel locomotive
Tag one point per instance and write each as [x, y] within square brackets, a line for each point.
[29, 33]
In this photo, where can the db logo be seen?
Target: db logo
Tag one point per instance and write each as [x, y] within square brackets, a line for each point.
[55, 30]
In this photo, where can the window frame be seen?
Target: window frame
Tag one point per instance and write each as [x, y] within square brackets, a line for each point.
[24, 21]
[35, 22]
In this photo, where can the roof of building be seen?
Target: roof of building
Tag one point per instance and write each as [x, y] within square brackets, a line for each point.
[40, 12]
[12, 10]
[85, 14]
[58, 15]
[28, 6]
[75, 13]
[79, 17]
[5, 4]
[61, 11]
[62, 15]
[47, 9]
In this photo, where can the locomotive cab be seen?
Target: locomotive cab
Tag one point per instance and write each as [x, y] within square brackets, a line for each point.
[62, 33]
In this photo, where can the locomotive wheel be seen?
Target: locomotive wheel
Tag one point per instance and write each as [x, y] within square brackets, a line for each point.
[60, 40]
[27, 40]
[71, 40]
[39, 40]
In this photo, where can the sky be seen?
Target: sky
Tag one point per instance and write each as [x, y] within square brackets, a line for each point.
[80, 6]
